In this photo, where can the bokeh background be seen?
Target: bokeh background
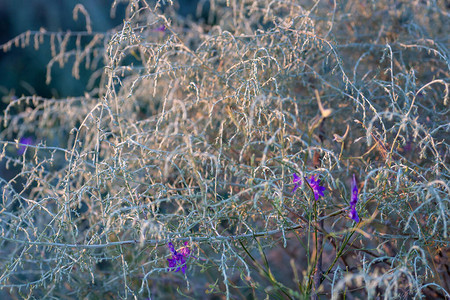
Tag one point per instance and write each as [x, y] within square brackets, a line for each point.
[23, 69]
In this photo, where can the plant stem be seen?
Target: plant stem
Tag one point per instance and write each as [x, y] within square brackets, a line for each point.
[318, 268]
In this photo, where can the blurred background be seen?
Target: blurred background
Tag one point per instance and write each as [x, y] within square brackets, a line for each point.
[23, 70]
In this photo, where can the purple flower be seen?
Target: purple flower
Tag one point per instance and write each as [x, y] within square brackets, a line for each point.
[297, 182]
[185, 251]
[161, 28]
[24, 141]
[353, 214]
[178, 260]
[354, 198]
[171, 247]
[315, 185]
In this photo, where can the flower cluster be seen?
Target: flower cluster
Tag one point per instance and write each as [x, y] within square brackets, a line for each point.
[178, 260]
[353, 214]
[313, 183]
[317, 188]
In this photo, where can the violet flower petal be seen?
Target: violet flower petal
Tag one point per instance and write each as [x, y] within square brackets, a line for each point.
[178, 260]
[354, 198]
[297, 182]
[353, 214]
[315, 185]
[25, 141]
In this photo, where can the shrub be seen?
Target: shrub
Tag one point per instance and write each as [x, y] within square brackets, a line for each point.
[189, 134]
